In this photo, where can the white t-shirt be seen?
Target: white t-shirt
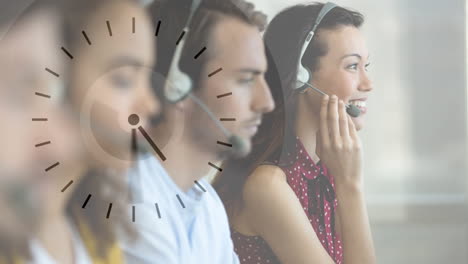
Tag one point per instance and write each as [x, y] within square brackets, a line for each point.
[39, 255]
[190, 228]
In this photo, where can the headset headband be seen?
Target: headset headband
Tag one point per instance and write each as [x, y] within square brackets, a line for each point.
[303, 74]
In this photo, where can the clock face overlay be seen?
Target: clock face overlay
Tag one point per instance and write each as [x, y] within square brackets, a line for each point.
[112, 135]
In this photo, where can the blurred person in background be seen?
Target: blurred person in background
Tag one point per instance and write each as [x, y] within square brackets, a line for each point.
[68, 229]
[22, 177]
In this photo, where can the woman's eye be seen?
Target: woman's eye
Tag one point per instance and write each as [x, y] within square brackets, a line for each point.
[121, 82]
[353, 66]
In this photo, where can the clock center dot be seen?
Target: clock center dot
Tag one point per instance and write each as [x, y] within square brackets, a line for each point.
[133, 119]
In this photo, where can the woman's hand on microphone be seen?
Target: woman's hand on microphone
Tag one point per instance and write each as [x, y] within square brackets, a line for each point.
[339, 147]
[338, 144]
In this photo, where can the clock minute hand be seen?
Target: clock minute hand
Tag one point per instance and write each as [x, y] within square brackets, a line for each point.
[151, 142]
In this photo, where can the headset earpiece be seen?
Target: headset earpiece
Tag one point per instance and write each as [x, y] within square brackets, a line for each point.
[178, 84]
[303, 73]
[303, 76]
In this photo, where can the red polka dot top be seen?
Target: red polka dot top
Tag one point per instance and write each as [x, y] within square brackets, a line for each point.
[315, 189]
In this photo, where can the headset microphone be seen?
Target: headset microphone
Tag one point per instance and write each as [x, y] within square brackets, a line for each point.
[352, 110]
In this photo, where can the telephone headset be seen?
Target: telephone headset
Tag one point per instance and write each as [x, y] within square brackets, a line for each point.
[304, 76]
[179, 85]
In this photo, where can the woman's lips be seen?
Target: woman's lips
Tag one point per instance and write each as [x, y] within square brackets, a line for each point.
[360, 103]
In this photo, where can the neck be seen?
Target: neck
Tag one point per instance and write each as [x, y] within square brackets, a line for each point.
[186, 161]
[307, 125]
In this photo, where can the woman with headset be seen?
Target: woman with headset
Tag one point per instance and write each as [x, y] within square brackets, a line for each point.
[298, 197]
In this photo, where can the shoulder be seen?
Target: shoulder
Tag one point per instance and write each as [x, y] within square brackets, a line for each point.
[264, 193]
[263, 182]
[261, 187]
[271, 205]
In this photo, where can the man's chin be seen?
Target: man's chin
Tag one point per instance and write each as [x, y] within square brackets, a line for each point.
[243, 149]
[236, 152]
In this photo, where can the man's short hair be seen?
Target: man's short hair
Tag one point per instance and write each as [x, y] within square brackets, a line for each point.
[172, 16]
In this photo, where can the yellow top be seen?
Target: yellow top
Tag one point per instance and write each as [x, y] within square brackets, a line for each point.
[114, 254]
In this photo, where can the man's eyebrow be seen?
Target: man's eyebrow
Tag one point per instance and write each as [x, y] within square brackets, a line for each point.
[249, 70]
[124, 60]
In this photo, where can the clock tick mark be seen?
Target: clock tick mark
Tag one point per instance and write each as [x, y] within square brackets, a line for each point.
[224, 143]
[86, 201]
[66, 186]
[40, 119]
[215, 72]
[109, 28]
[200, 53]
[180, 37]
[157, 210]
[224, 95]
[86, 37]
[42, 95]
[227, 119]
[52, 166]
[200, 186]
[214, 166]
[67, 52]
[157, 28]
[52, 72]
[42, 144]
[109, 210]
[180, 201]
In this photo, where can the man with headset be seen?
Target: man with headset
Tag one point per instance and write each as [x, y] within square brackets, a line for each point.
[211, 63]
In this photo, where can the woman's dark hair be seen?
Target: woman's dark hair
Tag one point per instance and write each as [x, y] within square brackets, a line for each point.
[283, 40]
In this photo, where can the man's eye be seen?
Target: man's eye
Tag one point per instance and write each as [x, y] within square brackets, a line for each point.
[246, 80]
[121, 82]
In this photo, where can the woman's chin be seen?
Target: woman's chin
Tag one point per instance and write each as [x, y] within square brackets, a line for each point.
[358, 123]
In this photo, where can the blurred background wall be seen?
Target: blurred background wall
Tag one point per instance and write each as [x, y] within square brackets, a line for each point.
[416, 135]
